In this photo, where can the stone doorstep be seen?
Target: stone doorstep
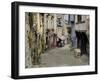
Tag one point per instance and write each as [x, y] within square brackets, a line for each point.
[77, 52]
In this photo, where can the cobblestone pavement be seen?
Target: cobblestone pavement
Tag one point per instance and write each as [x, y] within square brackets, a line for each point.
[62, 57]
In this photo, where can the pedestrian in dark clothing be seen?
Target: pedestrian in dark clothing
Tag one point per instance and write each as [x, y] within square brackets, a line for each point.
[84, 42]
[78, 35]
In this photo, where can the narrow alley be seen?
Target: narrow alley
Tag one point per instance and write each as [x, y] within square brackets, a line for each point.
[53, 40]
[61, 57]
